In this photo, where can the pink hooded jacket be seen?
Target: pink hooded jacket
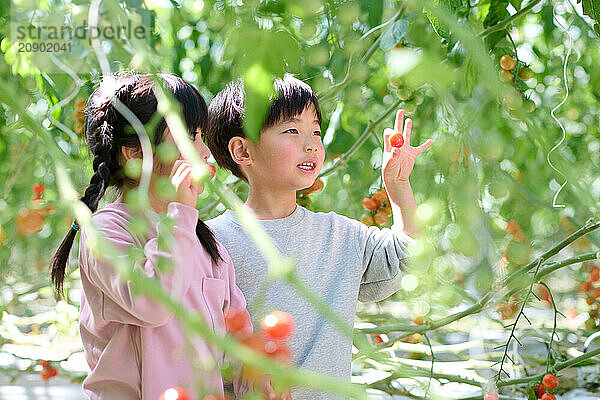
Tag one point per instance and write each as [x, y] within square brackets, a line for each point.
[135, 348]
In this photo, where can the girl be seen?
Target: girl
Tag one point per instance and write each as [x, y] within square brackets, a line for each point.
[134, 347]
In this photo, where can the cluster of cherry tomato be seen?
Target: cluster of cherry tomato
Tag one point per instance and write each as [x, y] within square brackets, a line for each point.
[31, 220]
[593, 294]
[378, 207]
[508, 73]
[549, 382]
[276, 328]
[48, 371]
[302, 195]
[411, 99]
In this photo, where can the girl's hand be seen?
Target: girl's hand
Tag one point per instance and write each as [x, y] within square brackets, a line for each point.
[181, 178]
[398, 163]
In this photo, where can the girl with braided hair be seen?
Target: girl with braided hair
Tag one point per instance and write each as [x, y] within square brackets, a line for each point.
[134, 347]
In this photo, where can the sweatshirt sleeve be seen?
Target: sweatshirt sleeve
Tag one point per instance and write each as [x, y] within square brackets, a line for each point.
[119, 302]
[384, 253]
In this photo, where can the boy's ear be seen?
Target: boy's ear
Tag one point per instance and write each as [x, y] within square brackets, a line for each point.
[238, 148]
[130, 153]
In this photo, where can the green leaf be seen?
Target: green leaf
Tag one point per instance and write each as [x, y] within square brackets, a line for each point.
[496, 13]
[258, 85]
[393, 35]
[591, 8]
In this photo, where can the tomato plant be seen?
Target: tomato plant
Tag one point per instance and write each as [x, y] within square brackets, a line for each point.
[498, 194]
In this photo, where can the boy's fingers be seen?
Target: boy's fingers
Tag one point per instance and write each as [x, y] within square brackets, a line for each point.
[424, 146]
[399, 120]
[407, 129]
[387, 133]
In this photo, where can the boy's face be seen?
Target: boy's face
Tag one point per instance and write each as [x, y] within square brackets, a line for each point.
[289, 155]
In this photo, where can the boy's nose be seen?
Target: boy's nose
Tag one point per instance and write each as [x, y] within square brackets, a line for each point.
[310, 148]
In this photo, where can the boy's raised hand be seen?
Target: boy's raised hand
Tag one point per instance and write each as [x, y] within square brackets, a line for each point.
[398, 162]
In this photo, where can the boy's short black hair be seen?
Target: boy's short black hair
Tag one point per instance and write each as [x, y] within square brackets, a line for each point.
[226, 112]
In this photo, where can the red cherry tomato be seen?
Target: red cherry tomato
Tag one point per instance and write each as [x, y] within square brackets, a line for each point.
[48, 373]
[369, 204]
[174, 393]
[492, 396]
[377, 339]
[396, 140]
[550, 381]
[278, 325]
[586, 286]
[237, 322]
[539, 390]
[38, 189]
[548, 396]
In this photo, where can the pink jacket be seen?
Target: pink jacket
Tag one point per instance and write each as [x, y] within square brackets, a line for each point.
[135, 348]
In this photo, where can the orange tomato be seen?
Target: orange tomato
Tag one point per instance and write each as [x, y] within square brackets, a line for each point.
[29, 221]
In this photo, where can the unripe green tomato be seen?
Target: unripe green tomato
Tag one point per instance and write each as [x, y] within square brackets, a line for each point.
[529, 105]
[419, 97]
[513, 100]
[396, 82]
[404, 93]
[497, 190]
[409, 107]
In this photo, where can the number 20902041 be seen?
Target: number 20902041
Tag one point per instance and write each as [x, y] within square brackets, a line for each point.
[44, 47]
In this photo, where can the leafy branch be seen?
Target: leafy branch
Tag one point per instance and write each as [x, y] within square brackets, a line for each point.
[504, 23]
[515, 276]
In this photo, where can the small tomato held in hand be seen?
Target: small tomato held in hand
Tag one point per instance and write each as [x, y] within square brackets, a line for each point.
[396, 140]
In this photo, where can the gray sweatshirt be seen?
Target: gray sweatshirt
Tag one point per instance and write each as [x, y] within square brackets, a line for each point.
[340, 259]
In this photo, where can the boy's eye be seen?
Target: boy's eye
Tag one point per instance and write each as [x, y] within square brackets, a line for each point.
[317, 133]
[292, 130]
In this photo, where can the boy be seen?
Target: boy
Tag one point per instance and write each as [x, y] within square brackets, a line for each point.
[340, 259]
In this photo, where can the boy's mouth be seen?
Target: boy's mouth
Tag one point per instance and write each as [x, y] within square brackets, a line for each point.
[307, 166]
